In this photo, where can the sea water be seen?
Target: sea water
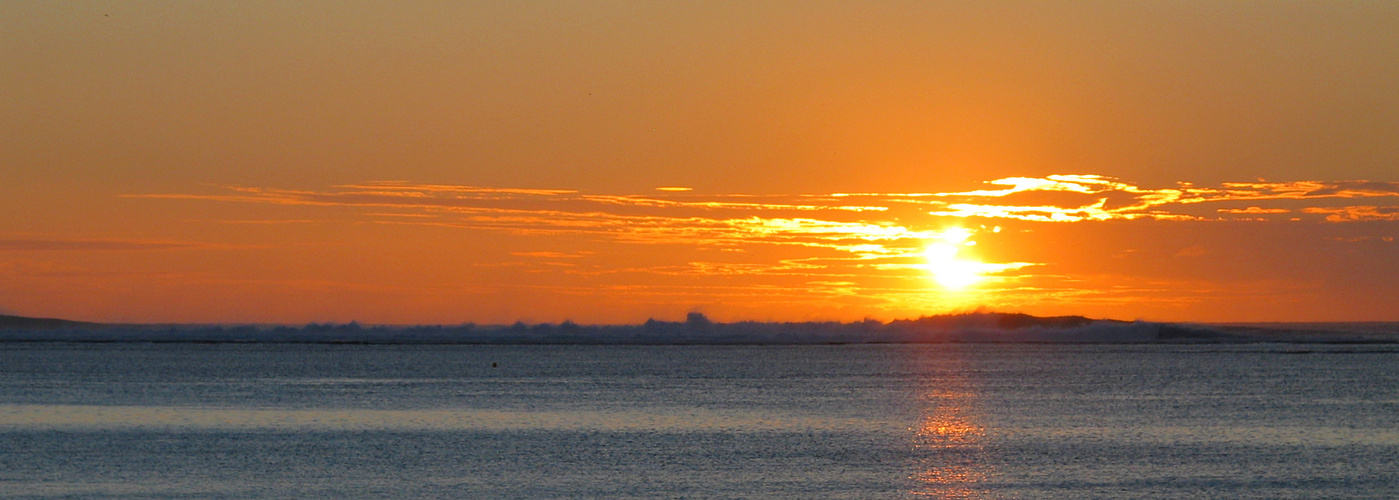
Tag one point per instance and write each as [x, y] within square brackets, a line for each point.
[854, 421]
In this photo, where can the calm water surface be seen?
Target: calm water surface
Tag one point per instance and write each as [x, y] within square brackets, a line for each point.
[939, 421]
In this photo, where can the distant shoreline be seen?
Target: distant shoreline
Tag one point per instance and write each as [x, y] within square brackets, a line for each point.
[972, 328]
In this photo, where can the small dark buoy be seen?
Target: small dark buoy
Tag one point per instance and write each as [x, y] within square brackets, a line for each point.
[492, 365]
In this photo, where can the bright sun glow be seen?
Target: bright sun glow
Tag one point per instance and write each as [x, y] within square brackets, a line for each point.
[948, 268]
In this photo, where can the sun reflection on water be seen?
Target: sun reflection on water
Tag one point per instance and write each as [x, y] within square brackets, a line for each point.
[950, 444]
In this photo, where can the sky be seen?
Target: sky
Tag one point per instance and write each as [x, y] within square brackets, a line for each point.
[609, 162]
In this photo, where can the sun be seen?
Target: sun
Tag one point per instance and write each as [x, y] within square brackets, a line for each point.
[943, 260]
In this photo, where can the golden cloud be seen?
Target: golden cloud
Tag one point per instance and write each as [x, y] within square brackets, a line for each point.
[881, 231]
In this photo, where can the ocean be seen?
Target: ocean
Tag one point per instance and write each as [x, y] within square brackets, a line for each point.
[1028, 421]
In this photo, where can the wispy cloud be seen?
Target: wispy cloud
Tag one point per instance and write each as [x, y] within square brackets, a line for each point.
[1356, 213]
[1054, 198]
[1105, 198]
[1254, 210]
[267, 221]
[62, 245]
[551, 255]
[473, 198]
[851, 233]
[668, 217]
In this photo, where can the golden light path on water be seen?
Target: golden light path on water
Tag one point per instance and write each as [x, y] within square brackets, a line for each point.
[951, 440]
[956, 465]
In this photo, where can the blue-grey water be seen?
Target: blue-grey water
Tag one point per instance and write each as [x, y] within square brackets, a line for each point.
[869, 421]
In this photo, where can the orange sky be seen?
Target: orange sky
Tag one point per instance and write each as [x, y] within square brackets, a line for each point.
[442, 163]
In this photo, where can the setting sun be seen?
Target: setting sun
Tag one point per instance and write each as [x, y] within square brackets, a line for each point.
[947, 266]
